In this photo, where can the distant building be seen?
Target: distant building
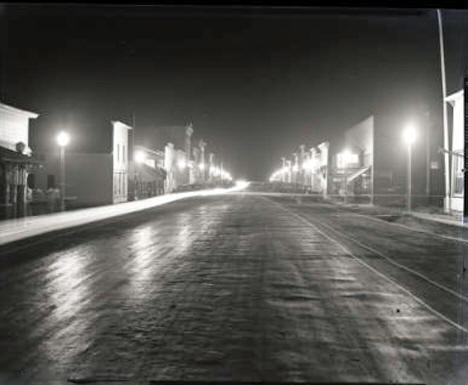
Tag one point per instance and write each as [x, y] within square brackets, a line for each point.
[175, 164]
[309, 170]
[16, 160]
[195, 172]
[178, 164]
[378, 160]
[456, 103]
[319, 167]
[92, 178]
[149, 175]
[181, 176]
[352, 161]
[312, 168]
[169, 166]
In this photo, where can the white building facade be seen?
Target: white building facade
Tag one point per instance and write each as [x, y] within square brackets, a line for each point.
[14, 127]
[120, 163]
[92, 178]
[16, 162]
[456, 108]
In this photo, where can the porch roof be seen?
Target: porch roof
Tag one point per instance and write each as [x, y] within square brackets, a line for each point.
[10, 156]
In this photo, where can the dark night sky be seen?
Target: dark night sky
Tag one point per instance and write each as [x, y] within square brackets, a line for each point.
[255, 85]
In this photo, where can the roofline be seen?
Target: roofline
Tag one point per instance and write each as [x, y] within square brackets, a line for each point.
[454, 96]
[156, 152]
[122, 124]
[29, 114]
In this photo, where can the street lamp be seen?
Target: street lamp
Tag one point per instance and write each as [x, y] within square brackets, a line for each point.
[182, 164]
[140, 156]
[63, 138]
[409, 136]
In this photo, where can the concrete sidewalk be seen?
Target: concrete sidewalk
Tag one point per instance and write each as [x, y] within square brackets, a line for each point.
[453, 220]
[435, 217]
[15, 229]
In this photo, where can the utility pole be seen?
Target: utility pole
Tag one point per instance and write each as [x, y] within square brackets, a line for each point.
[428, 161]
[62, 178]
[427, 123]
[409, 181]
[445, 120]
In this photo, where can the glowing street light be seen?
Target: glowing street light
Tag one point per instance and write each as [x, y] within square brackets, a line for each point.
[140, 156]
[63, 139]
[215, 171]
[309, 164]
[182, 164]
[409, 137]
[409, 134]
[201, 166]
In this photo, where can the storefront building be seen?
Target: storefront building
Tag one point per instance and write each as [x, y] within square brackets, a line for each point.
[16, 159]
[456, 108]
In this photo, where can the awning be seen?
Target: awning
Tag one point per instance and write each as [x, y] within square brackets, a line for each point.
[357, 173]
[10, 156]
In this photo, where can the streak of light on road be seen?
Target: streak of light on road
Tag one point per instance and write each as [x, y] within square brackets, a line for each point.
[20, 228]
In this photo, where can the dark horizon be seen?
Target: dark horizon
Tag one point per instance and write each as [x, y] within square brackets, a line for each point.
[255, 86]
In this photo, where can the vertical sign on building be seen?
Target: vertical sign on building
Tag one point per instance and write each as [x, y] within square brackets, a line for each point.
[465, 164]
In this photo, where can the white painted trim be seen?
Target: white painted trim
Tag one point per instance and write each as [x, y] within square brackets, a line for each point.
[17, 111]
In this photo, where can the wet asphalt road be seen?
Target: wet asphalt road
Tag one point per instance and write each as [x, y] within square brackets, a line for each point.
[234, 287]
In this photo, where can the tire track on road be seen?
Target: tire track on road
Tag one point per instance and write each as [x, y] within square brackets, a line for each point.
[378, 272]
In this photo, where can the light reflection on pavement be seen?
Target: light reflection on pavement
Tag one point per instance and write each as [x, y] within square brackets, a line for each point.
[213, 288]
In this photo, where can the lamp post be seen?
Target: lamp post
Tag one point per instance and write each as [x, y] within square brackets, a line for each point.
[139, 157]
[63, 138]
[409, 136]
[182, 164]
[346, 187]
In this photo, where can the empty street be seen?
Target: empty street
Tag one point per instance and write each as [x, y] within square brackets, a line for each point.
[234, 287]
